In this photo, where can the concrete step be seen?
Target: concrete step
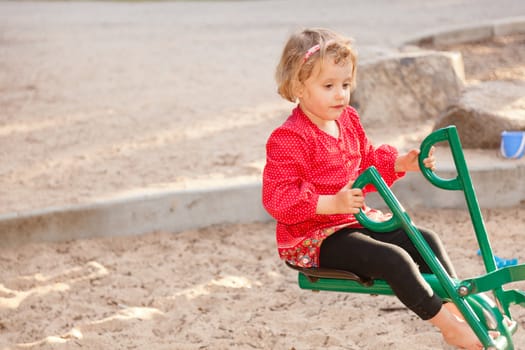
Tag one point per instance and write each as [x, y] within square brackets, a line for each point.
[498, 183]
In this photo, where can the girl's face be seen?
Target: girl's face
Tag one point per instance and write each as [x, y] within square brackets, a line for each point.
[325, 94]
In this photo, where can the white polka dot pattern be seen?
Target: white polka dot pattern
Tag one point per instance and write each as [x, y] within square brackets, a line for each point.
[303, 162]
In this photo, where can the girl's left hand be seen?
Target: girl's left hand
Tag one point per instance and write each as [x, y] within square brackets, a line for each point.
[409, 161]
[430, 161]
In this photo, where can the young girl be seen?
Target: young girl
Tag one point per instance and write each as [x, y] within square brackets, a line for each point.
[313, 159]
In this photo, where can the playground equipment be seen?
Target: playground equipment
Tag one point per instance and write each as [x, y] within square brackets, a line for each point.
[482, 312]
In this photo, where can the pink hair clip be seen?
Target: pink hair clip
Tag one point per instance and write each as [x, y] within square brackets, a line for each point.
[311, 51]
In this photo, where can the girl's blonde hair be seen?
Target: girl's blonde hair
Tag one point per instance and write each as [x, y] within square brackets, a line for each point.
[296, 65]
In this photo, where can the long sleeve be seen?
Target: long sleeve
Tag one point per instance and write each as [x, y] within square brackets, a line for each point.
[286, 195]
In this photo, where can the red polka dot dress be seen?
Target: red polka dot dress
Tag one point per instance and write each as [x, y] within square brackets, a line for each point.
[303, 162]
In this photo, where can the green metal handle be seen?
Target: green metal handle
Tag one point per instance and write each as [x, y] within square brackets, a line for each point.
[450, 135]
[462, 182]
[372, 176]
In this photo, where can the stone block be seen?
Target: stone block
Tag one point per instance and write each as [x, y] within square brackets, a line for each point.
[484, 111]
[407, 87]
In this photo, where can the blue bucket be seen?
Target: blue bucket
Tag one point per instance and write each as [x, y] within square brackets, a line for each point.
[512, 144]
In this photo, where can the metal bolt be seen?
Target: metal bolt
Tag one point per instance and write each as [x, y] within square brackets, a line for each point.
[463, 291]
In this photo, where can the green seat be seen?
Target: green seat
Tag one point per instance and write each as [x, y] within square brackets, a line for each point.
[481, 312]
[314, 274]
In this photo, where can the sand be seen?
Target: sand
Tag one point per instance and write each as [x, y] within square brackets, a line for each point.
[220, 287]
[65, 141]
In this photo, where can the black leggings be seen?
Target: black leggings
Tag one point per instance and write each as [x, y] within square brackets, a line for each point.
[390, 256]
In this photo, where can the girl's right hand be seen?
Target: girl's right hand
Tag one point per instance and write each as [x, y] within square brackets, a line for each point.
[349, 200]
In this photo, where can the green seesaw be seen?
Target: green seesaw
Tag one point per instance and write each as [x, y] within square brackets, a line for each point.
[482, 313]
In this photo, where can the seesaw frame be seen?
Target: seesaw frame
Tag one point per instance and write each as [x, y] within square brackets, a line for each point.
[481, 312]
